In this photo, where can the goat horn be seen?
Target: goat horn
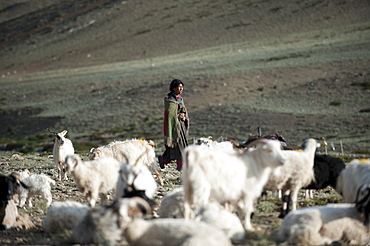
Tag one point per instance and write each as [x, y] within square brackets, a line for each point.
[51, 131]
[254, 142]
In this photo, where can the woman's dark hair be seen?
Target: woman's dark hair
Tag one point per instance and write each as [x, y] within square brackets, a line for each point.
[175, 83]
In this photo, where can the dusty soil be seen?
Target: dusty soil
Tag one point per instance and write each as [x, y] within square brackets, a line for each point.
[300, 69]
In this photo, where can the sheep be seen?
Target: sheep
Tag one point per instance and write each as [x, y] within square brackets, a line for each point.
[172, 204]
[296, 173]
[129, 151]
[227, 176]
[94, 178]
[321, 225]
[64, 216]
[135, 179]
[326, 172]
[39, 184]
[62, 148]
[352, 177]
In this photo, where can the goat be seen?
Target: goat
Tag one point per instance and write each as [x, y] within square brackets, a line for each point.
[214, 144]
[227, 176]
[135, 179]
[352, 177]
[94, 178]
[321, 225]
[62, 148]
[8, 185]
[165, 232]
[64, 216]
[228, 222]
[326, 172]
[172, 204]
[296, 173]
[131, 150]
[101, 225]
[39, 184]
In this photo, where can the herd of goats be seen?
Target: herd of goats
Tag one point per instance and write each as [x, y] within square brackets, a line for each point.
[221, 183]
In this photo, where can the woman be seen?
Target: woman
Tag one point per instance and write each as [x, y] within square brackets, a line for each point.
[175, 125]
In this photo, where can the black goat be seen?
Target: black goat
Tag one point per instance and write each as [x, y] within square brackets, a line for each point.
[8, 184]
[327, 169]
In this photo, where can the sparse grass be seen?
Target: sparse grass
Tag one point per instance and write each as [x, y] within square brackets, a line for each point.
[335, 103]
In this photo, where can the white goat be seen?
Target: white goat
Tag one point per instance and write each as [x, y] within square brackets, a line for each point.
[64, 216]
[228, 176]
[101, 225]
[62, 147]
[296, 173]
[129, 151]
[39, 184]
[172, 204]
[228, 222]
[352, 177]
[214, 144]
[165, 232]
[94, 178]
[321, 225]
[135, 179]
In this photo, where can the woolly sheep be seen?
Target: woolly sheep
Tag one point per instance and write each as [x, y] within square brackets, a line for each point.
[326, 170]
[39, 184]
[321, 225]
[128, 151]
[227, 176]
[296, 173]
[62, 148]
[356, 174]
[94, 178]
[64, 216]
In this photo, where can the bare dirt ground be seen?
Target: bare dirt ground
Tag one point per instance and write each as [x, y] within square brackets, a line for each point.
[300, 69]
[102, 67]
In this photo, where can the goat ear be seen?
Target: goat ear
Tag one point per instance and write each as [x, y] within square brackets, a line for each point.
[151, 143]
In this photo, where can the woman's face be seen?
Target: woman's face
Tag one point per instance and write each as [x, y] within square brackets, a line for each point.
[178, 90]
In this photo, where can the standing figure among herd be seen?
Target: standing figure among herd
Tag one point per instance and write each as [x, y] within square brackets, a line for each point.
[175, 125]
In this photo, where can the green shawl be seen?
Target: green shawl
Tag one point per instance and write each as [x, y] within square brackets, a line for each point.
[171, 124]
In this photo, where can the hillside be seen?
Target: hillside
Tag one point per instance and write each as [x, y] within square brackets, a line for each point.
[298, 68]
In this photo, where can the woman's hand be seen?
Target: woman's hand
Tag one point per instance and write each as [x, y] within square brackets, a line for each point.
[182, 116]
